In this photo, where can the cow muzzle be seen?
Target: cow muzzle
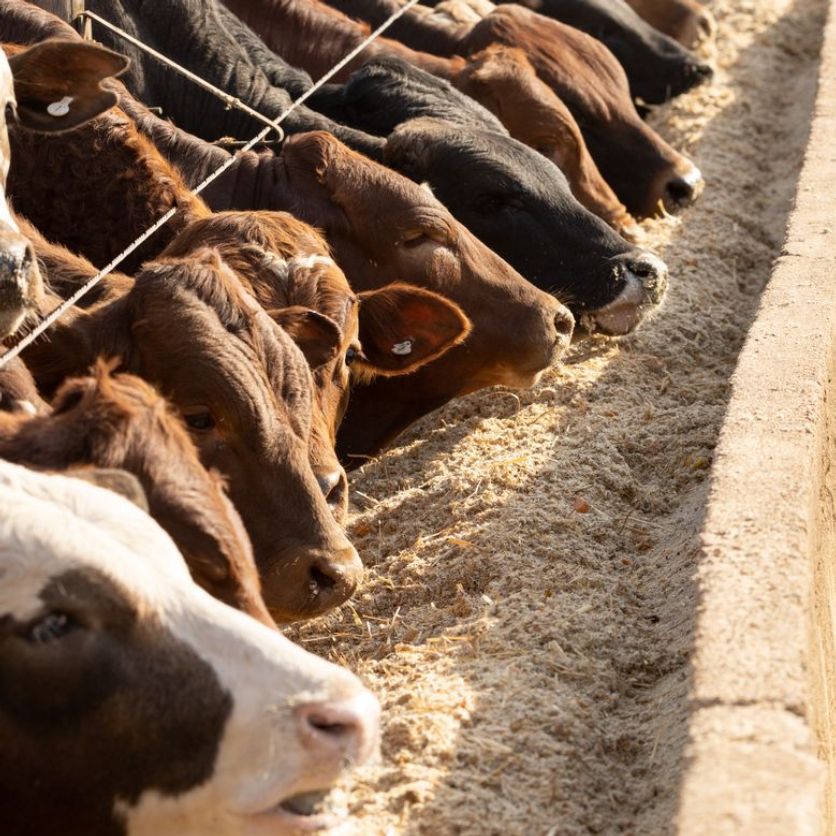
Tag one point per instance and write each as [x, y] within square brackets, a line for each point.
[644, 280]
[312, 583]
[21, 287]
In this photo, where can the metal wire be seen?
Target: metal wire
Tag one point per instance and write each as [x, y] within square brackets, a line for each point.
[272, 125]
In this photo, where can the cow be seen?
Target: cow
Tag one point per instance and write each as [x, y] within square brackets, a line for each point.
[657, 66]
[548, 223]
[687, 21]
[244, 389]
[131, 701]
[288, 268]
[643, 170]
[120, 422]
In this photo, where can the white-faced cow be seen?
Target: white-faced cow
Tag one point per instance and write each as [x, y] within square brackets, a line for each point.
[132, 702]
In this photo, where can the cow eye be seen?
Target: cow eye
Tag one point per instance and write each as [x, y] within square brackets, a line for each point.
[50, 628]
[11, 113]
[421, 236]
[351, 354]
[499, 203]
[200, 420]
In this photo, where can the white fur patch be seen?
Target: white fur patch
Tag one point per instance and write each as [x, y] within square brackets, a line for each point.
[308, 262]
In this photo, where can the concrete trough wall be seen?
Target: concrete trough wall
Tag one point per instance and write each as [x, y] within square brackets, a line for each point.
[762, 729]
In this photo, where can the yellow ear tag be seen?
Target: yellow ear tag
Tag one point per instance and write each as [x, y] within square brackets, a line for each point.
[61, 108]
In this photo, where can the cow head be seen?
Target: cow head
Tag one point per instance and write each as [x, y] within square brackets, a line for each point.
[244, 390]
[643, 170]
[122, 422]
[132, 701]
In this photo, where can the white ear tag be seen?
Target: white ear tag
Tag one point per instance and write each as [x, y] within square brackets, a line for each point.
[404, 348]
[61, 108]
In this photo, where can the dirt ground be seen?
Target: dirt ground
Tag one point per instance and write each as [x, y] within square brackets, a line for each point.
[528, 609]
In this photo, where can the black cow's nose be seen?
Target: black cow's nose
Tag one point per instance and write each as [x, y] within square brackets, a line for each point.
[700, 72]
[651, 271]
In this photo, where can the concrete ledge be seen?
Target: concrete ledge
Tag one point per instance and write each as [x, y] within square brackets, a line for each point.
[761, 729]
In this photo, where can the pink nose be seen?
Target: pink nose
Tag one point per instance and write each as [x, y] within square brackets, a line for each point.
[347, 729]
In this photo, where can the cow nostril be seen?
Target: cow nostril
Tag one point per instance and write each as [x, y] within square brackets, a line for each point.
[702, 71]
[707, 26]
[564, 323]
[321, 581]
[682, 189]
[328, 480]
[348, 727]
[651, 271]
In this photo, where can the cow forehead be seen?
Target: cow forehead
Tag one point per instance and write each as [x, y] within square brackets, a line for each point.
[53, 524]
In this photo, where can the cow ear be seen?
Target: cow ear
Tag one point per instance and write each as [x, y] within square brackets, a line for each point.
[317, 335]
[113, 479]
[403, 327]
[58, 83]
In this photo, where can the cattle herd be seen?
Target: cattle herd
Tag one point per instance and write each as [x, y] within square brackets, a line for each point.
[438, 218]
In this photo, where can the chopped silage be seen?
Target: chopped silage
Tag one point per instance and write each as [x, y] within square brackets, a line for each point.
[528, 608]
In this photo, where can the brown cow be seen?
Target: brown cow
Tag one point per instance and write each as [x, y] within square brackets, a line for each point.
[687, 21]
[288, 268]
[495, 77]
[383, 228]
[641, 167]
[121, 422]
[189, 327]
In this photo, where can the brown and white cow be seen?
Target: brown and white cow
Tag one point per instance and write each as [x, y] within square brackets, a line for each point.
[132, 702]
[120, 422]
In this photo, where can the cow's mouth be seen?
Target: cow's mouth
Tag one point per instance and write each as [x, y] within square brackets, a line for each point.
[307, 812]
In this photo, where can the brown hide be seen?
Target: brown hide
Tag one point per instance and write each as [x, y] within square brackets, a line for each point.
[119, 421]
[310, 35]
[244, 389]
[687, 21]
[638, 164]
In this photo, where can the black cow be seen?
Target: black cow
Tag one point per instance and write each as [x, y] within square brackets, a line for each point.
[207, 39]
[508, 195]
